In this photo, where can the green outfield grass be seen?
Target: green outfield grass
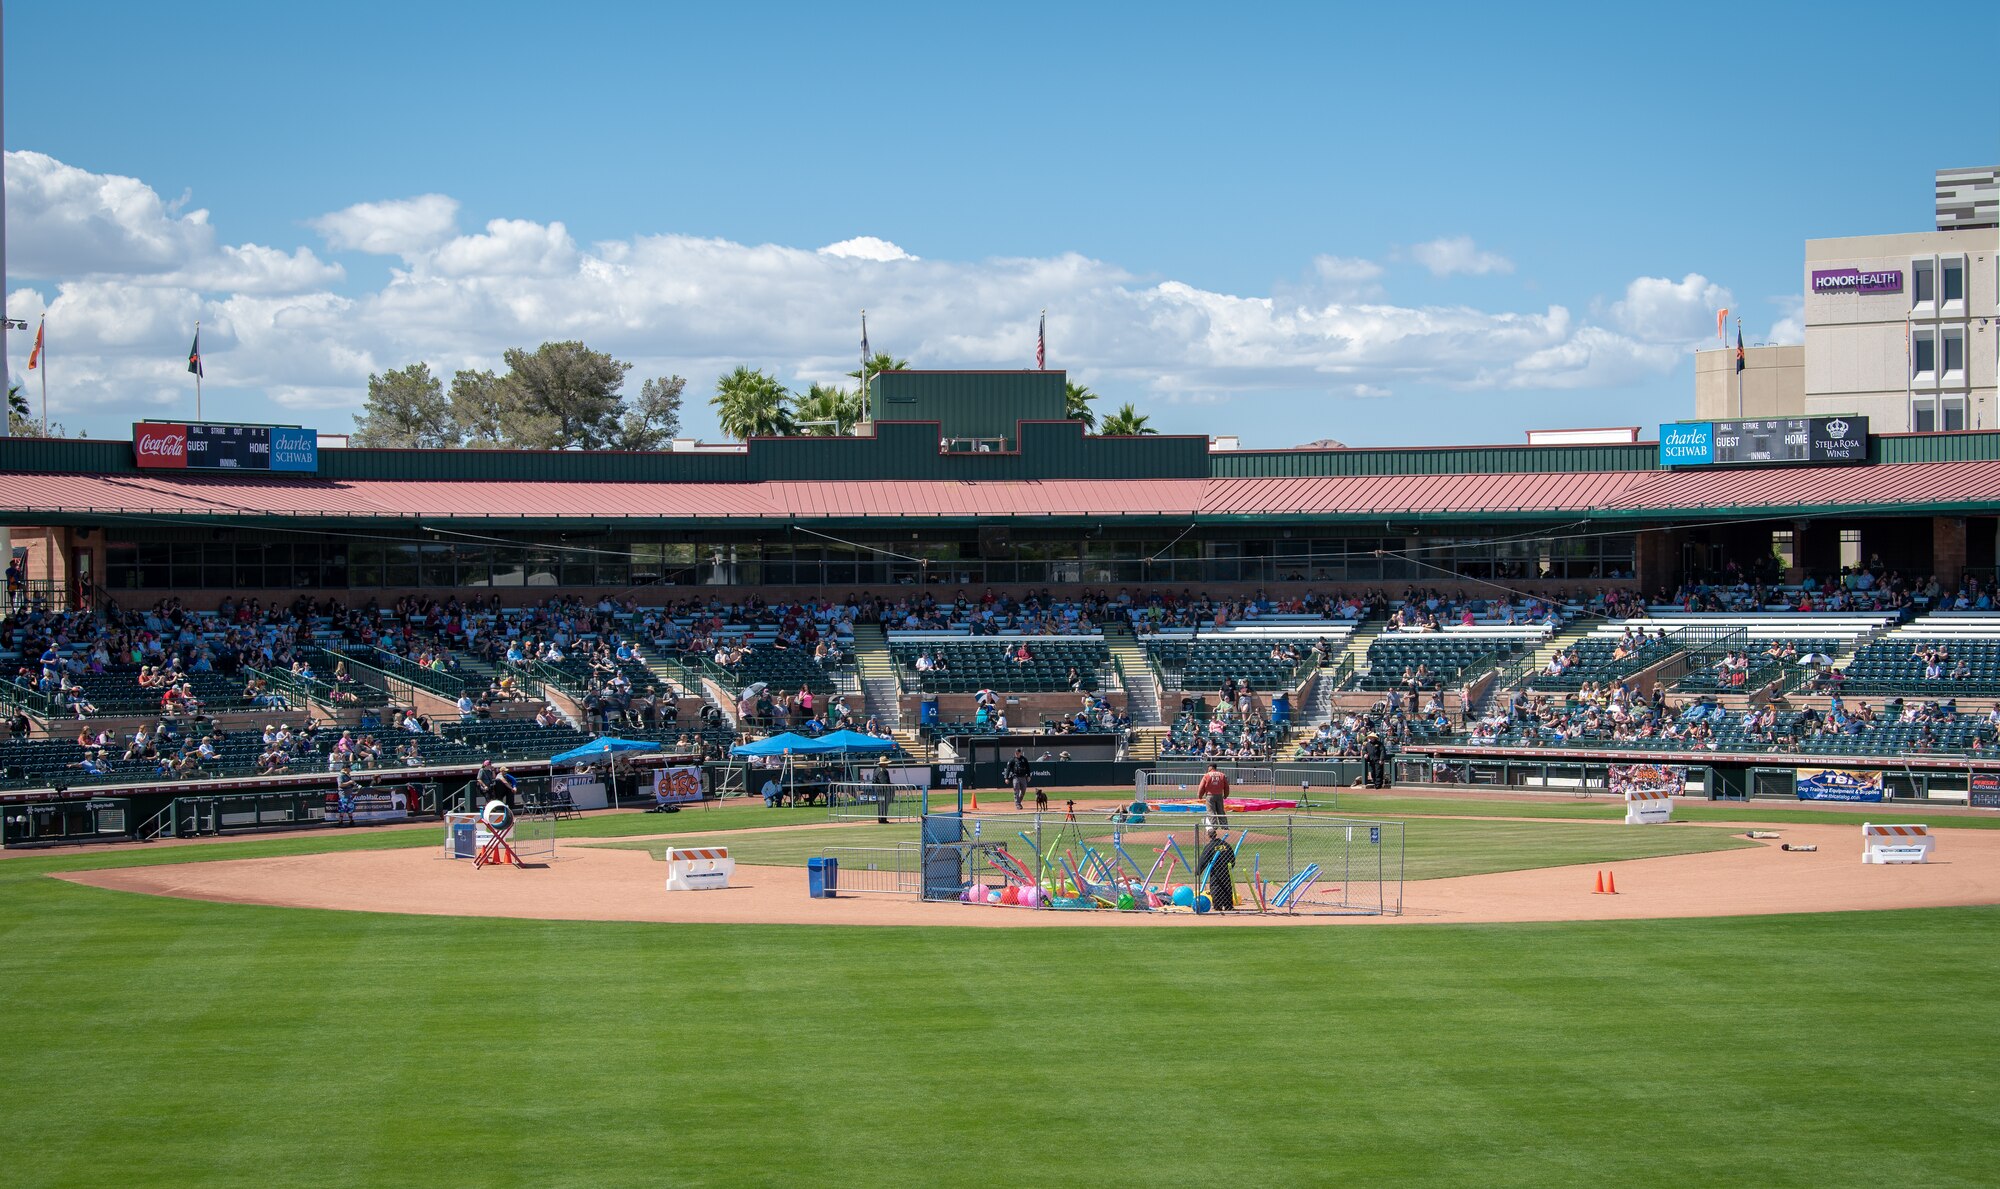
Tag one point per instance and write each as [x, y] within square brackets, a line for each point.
[1434, 847]
[165, 1042]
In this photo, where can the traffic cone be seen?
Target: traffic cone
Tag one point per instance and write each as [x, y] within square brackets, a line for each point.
[1611, 883]
[1600, 885]
[975, 803]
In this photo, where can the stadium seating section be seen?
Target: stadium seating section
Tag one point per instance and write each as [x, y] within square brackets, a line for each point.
[974, 663]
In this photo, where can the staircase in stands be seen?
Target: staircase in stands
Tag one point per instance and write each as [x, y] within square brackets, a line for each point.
[1142, 693]
[876, 667]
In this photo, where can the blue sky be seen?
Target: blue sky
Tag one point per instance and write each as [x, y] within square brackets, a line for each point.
[1299, 222]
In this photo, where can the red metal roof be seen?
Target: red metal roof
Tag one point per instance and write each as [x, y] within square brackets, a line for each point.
[1906, 485]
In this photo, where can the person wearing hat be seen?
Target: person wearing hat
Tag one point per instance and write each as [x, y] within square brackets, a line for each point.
[1214, 789]
[1218, 862]
[1373, 755]
[1018, 771]
[883, 791]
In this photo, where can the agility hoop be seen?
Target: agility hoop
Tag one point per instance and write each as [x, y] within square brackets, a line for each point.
[496, 848]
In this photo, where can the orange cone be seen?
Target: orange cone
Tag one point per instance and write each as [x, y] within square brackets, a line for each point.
[1600, 885]
[975, 803]
[1611, 883]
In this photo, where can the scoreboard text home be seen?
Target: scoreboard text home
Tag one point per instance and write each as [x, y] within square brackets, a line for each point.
[177, 446]
[1759, 443]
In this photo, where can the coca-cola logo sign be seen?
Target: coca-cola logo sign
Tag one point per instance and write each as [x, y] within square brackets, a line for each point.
[156, 445]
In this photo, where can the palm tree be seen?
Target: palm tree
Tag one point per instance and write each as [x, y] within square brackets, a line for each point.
[751, 404]
[881, 362]
[1076, 404]
[1127, 422]
[823, 402]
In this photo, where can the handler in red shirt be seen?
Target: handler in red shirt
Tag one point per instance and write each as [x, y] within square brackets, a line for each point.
[1215, 790]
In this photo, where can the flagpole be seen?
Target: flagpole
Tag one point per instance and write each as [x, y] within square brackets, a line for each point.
[1739, 370]
[199, 368]
[41, 340]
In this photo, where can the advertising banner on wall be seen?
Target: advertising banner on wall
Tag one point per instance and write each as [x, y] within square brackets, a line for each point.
[1986, 790]
[1839, 784]
[1671, 779]
[677, 786]
[183, 446]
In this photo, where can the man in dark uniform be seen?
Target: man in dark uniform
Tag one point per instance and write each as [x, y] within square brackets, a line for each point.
[1018, 771]
[883, 792]
[1373, 755]
[1219, 861]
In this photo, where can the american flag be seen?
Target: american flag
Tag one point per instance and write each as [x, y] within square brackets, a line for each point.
[865, 356]
[1042, 342]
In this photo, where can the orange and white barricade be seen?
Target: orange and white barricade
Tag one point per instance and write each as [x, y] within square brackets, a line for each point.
[698, 868]
[1648, 807]
[1896, 844]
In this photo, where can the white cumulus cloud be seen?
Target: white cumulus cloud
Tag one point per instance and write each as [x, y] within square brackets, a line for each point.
[1659, 310]
[1458, 254]
[123, 278]
[866, 247]
[398, 227]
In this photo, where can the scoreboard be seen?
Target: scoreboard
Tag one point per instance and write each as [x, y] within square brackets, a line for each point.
[1760, 443]
[222, 447]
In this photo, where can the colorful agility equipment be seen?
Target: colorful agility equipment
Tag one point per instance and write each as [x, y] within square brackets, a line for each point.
[499, 826]
[1288, 895]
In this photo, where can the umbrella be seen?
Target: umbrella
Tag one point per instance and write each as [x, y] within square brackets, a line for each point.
[753, 690]
[597, 749]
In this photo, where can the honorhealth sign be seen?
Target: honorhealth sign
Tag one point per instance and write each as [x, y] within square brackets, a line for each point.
[1839, 784]
[1853, 280]
[174, 446]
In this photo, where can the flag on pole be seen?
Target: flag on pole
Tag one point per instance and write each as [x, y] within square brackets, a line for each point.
[1042, 342]
[1739, 346]
[1722, 325]
[866, 355]
[194, 354]
[35, 356]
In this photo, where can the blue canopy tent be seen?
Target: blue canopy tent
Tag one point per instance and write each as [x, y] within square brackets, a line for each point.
[593, 794]
[598, 749]
[848, 743]
[777, 745]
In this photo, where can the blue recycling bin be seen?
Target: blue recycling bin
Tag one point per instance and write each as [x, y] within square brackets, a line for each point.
[822, 878]
[927, 713]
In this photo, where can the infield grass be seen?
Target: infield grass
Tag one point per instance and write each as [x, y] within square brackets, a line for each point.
[160, 1042]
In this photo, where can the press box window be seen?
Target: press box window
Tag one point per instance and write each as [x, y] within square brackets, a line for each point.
[1850, 548]
[1781, 547]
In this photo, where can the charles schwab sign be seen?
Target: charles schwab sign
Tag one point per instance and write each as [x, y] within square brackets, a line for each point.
[1853, 280]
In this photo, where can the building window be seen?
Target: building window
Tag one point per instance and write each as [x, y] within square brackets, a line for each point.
[1923, 415]
[1952, 348]
[1850, 549]
[1951, 413]
[1923, 353]
[1954, 280]
[1782, 547]
[1923, 282]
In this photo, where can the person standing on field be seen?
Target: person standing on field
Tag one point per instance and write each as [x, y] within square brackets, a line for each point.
[1373, 755]
[1214, 789]
[1018, 771]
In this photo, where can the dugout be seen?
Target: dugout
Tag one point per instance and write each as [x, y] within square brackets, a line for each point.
[50, 823]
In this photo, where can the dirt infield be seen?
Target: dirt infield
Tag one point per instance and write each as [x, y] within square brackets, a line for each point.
[597, 884]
